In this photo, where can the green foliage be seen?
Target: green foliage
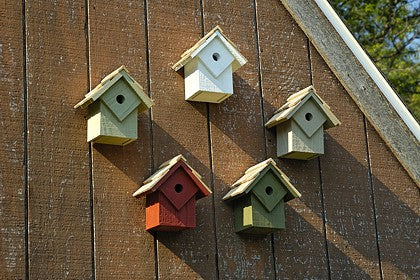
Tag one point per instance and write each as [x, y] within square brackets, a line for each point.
[389, 32]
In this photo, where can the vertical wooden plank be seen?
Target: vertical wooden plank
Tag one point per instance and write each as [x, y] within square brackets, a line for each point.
[123, 248]
[237, 136]
[180, 127]
[12, 183]
[285, 70]
[58, 169]
[345, 177]
[397, 211]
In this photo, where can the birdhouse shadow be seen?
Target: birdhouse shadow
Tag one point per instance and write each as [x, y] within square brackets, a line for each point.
[196, 247]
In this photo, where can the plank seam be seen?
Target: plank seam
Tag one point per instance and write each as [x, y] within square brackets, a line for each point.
[91, 183]
[321, 183]
[257, 40]
[25, 140]
[373, 196]
[210, 144]
[151, 133]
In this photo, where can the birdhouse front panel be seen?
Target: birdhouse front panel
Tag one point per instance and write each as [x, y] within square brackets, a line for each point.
[208, 68]
[202, 86]
[293, 143]
[104, 126]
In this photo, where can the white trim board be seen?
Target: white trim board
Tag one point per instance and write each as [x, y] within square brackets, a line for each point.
[361, 79]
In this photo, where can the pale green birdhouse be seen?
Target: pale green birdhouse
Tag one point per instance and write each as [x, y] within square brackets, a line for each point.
[258, 199]
[300, 125]
[113, 107]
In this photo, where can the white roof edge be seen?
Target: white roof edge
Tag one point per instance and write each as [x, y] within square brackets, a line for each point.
[370, 67]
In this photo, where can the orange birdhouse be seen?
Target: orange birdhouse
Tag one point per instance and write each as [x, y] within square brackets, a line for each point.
[171, 195]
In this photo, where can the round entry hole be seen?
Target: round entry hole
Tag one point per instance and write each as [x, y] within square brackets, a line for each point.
[216, 56]
[178, 188]
[269, 190]
[120, 99]
[308, 116]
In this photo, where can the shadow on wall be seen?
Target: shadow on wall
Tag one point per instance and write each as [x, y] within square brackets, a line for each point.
[195, 249]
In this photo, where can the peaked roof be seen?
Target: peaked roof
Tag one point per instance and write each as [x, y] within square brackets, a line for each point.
[188, 55]
[165, 170]
[295, 101]
[252, 175]
[111, 79]
[361, 79]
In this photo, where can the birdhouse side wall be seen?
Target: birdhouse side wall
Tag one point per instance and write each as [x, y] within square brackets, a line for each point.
[202, 86]
[242, 211]
[94, 122]
[152, 210]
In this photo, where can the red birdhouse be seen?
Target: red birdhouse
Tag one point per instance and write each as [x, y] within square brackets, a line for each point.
[171, 194]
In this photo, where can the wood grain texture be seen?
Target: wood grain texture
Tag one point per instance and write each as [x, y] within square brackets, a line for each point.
[12, 182]
[180, 127]
[284, 71]
[345, 177]
[358, 83]
[397, 210]
[123, 249]
[58, 162]
[237, 136]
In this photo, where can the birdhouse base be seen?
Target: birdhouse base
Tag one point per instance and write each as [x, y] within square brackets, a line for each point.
[208, 96]
[258, 230]
[102, 139]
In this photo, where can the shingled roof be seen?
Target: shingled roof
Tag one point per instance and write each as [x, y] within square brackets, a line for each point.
[295, 101]
[151, 183]
[111, 79]
[252, 174]
[189, 54]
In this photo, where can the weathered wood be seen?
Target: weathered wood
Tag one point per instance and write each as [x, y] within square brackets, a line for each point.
[397, 212]
[358, 83]
[284, 71]
[123, 249]
[180, 127]
[237, 136]
[344, 173]
[12, 181]
[58, 159]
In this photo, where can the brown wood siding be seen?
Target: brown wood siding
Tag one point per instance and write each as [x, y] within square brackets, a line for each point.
[67, 209]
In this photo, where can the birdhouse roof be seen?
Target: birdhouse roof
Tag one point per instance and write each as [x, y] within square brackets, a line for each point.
[188, 55]
[165, 170]
[295, 101]
[108, 81]
[253, 175]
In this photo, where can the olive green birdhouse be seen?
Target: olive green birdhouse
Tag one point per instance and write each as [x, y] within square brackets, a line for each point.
[258, 199]
[300, 125]
[113, 107]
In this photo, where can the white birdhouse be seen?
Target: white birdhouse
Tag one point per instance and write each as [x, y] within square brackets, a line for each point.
[208, 68]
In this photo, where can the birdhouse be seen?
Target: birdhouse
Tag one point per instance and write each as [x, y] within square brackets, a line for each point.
[208, 68]
[113, 107]
[258, 199]
[171, 195]
[300, 125]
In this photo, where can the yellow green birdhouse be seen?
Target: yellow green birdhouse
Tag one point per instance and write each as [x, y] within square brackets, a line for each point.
[113, 107]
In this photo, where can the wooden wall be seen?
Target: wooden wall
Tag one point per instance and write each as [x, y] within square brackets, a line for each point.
[66, 208]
